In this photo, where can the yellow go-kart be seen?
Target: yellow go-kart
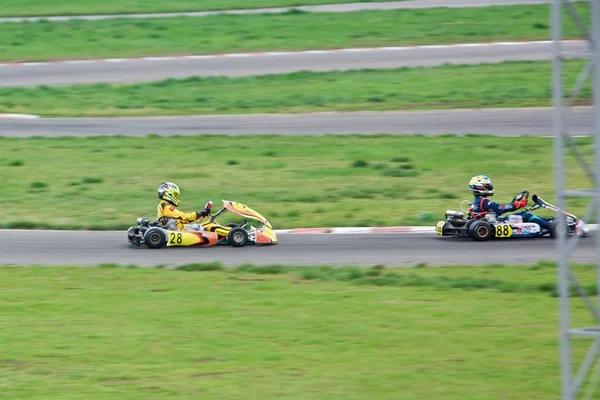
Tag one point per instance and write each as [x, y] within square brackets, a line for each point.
[161, 234]
[239, 235]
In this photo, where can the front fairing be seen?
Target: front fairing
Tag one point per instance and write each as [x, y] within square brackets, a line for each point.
[266, 236]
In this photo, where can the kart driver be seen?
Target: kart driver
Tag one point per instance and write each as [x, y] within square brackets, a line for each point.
[169, 193]
[481, 187]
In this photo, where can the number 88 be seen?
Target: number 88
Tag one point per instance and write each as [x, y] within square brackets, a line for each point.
[502, 230]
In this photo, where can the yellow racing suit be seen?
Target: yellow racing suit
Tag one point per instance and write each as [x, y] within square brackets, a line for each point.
[166, 211]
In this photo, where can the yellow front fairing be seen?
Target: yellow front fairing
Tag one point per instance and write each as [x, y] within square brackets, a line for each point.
[267, 233]
[187, 238]
[245, 211]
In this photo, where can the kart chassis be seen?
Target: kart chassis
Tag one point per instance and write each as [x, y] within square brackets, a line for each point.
[488, 227]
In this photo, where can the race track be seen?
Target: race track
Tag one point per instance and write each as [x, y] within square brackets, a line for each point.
[55, 248]
[236, 65]
[503, 122]
[350, 7]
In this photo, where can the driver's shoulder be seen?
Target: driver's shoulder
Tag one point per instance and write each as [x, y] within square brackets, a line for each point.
[480, 199]
[164, 204]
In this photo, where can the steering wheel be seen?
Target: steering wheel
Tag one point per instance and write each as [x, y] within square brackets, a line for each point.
[522, 195]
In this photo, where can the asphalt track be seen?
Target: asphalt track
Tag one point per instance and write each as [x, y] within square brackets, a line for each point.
[501, 122]
[350, 7]
[54, 248]
[236, 65]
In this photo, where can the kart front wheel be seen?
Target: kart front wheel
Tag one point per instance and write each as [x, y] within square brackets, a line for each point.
[237, 237]
[155, 238]
[481, 231]
[553, 228]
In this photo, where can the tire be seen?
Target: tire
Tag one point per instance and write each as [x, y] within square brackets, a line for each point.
[237, 237]
[232, 225]
[155, 238]
[481, 231]
[469, 223]
[554, 229]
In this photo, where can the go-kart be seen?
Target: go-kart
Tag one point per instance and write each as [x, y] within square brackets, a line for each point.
[485, 226]
[164, 233]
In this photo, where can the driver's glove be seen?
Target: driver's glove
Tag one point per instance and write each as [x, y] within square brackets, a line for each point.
[520, 204]
[204, 213]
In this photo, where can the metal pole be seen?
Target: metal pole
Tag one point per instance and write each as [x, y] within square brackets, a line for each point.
[596, 97]
[563, 268]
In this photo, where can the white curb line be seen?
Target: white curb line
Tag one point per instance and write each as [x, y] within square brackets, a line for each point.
[279, 53]
[370, 230]
[20, 116]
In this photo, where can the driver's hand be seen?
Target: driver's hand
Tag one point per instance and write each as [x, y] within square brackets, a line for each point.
[204, 213]
[520, 204]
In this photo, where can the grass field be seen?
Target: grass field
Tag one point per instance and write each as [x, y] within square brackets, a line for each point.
[104, 183]
[86, 7]
[102, 333]
[269, 32]
[515, 84]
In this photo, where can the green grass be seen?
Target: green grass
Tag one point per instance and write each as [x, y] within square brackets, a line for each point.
[104, 183]
[88, 7]
[514, 84]
[105, 333]
[288, 31]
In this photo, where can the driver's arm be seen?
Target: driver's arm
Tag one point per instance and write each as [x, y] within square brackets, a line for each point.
[170, 211]
[497, 208]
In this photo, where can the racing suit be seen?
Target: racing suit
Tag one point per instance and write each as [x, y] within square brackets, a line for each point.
[484, 205]
[167, 211]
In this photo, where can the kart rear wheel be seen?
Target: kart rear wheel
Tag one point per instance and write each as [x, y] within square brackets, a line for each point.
[237, 237]
[481, 231]
[155, 238]
[232, 225]
[469, 223]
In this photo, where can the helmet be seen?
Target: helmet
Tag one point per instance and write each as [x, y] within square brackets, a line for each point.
[481, 185]
[170, 192]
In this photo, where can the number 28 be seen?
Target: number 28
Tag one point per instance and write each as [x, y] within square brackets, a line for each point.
[175, 238]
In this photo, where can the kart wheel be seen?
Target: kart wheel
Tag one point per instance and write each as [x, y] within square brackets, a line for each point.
[554, 226]
[232, 225]
[237, 237]
[481, 231]
[469, 223]
[155, 238]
